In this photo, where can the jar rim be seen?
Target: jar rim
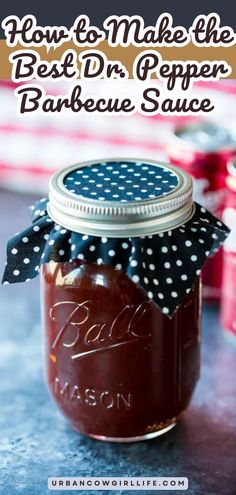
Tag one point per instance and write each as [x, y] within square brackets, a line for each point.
[211, 147]
[117, 219]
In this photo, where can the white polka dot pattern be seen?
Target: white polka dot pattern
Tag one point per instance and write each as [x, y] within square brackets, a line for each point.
[165, 265]
[121, 181]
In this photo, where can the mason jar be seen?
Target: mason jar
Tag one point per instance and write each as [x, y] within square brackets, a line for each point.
[120, 245]
[117, 366]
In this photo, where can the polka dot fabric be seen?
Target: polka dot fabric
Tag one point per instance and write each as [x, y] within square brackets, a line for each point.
[165, 265]
[121, 181]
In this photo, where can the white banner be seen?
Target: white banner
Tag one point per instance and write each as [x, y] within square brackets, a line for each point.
[116, 483]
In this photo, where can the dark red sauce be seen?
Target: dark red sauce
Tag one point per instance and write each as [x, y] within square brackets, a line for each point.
[116, 366]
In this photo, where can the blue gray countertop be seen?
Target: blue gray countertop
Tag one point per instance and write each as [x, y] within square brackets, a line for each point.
[36, 442]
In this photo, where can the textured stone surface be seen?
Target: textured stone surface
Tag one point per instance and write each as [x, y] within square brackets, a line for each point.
[36, 442]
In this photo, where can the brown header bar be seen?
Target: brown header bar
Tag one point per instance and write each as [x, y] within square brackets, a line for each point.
[125, 55]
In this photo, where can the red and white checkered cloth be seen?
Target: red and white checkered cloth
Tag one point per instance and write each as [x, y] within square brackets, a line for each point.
[33, 146]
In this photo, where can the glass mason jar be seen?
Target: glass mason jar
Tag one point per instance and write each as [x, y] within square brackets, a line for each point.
[121, 245]
[118, 368]
[203, 149]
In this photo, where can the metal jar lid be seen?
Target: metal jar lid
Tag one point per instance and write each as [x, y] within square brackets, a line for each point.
[205, 137]
[120, 197]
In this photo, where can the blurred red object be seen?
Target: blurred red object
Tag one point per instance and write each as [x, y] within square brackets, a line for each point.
[228, 301]
[204, 149]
